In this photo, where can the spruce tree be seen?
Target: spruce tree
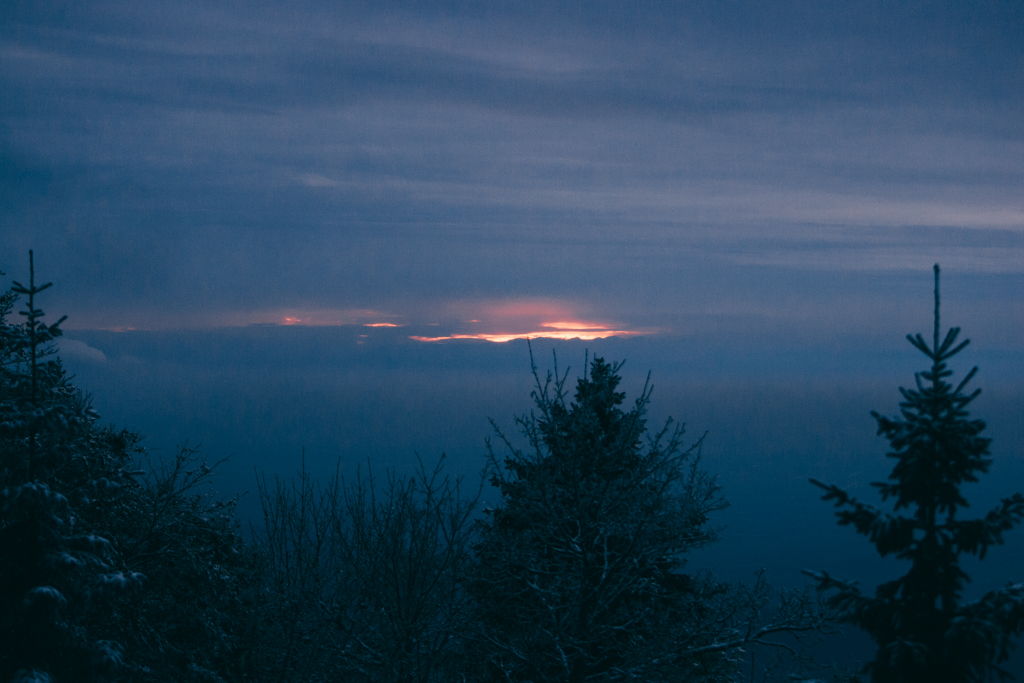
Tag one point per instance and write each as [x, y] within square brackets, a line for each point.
[581, 569]
[923, 629]
[50, 572]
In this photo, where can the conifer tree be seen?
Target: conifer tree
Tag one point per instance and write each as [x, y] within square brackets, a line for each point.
[579, 570]
[923, 629]
[49, 572]
[582, 569]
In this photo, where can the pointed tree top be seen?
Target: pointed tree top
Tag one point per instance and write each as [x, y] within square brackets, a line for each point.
[935, 344]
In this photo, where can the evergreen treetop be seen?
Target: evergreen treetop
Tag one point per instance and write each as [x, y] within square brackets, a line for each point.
[923, 630]
[51, 572]
[581, 572]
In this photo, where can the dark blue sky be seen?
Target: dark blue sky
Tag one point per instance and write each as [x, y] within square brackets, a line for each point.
[672, 167]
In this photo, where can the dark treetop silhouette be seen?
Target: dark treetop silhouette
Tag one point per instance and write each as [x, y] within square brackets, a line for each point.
[923, 630]
[581, 569]
[53, 570]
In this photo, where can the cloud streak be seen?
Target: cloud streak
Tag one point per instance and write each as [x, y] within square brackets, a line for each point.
[80, 351]
[582, 330]
[198, 165]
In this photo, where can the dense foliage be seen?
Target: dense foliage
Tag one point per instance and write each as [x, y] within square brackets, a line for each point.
[55, 571]
[108, 569]
[923, 629]
[580, 573]
[580, 568]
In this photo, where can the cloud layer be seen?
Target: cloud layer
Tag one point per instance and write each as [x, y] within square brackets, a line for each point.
[207, 163]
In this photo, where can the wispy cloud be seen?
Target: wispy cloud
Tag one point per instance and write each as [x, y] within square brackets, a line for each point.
[197, 165]
[80, 351]
[584, 332]
[135, 320]
[506, 320]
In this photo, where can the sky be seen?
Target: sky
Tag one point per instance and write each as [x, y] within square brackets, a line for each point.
[327, 228]
[651, 168]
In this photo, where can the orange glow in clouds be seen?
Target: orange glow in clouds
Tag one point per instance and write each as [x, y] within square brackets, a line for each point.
[319, 318]
[551, 330]
[574, 326]
[529, 318]
[311, 318]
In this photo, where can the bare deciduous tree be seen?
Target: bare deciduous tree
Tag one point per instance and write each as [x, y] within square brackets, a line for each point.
[369, 575]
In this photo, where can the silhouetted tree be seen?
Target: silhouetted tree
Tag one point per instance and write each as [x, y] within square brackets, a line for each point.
[197, 620]
[52, 571]
[84, 515]
[580, 570]
[366, 577]
[923, 630]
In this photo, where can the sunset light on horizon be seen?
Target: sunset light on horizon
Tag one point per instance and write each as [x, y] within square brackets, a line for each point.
[582, 330]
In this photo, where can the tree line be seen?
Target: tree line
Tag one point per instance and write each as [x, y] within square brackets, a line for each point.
[117, 567]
